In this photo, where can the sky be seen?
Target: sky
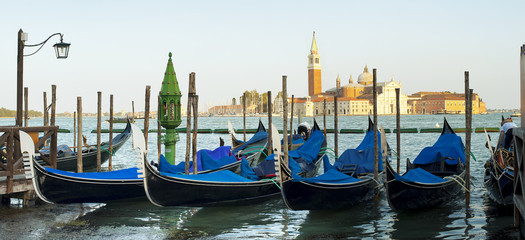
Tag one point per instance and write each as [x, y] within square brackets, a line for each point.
[119, 47]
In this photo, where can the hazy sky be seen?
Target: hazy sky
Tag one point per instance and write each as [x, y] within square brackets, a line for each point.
[119, 47]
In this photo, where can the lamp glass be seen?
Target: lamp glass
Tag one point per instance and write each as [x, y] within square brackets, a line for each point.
[61, 49]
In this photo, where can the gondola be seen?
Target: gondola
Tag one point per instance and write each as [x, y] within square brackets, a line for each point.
[348, 182]
[56, 186]
[499, 173]
[222, 187]
[435, 176]
[255, 149]
[68, 162]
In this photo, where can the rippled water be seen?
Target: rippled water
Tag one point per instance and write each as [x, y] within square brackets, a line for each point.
[271, 219]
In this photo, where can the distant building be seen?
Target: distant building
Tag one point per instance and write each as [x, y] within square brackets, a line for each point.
[443, 103]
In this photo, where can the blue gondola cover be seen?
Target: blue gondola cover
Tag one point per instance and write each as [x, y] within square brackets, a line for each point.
[448, 146]
[419, 175]
[206, 160]
[220, 176]
[330, 176]
[363, 155]
[259, 136]
[128, 173]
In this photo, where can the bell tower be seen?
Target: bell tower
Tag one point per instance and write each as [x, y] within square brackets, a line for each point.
[314, 70]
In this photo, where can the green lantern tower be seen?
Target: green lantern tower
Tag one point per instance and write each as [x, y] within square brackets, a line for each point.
[169, 112]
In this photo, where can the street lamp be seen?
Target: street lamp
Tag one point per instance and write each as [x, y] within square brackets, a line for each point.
[61, 50]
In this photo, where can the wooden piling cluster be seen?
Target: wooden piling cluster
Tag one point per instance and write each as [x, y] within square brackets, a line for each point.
[192, 109]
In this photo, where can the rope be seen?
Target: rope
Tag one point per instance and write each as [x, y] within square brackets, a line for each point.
[474, 157]
[458, 182]
[273, 180]
[110, 153]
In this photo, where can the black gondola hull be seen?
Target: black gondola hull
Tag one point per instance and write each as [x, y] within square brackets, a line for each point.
[413, 195]
[314, 196]
[57, 188]
[171, 191]
[499, 184]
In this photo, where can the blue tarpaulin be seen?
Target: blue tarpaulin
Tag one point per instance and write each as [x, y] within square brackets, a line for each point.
[128, 173]
[363, 155]
[247, 171]
[300, 159]
[448, 145]
[206, 160]
[220, 176]
[330, 176]
[258, 136]
[419, 175]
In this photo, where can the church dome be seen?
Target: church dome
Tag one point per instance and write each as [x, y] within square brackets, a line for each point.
[365, 78]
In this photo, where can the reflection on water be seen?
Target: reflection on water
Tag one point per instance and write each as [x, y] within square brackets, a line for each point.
[271, 219]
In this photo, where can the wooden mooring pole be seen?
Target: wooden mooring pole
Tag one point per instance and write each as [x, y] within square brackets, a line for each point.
[74, 128]
[195, 107]
[336, 140]
[53, 104]
[46, 111]
[26, 106]
[244, 116]
[99, 123]
[376, 147]
[468, 130]
[146, 114]
[285, 121]
[291, 125]
[79, 135]
[270, 149]
[324, 117]
[191, 93]
[398, 127]
[133, 111]
[110, 160]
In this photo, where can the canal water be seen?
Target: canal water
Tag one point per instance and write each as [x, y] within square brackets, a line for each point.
[271, 219]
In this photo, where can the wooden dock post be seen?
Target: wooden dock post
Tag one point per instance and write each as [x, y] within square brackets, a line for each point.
[195, 103]
[110, 160]
[468, 130]
[46, 111]
[53, 104]
[99, 123]
[244, 115]
[324, 117]
[291, 125]
[146, 114]
[285, 122]
[398, 127]
[74, 128]
[26, 106]
[376, 148]
[269, 103]
[336, 141]
[191, 93]
[133, 111]
[79, 135]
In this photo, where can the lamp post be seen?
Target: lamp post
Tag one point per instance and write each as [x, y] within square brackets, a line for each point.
[61, 50]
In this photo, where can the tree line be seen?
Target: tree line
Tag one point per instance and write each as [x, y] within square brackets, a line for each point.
[12, 113]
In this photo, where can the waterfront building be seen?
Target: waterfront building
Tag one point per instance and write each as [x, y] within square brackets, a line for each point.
[444, 103]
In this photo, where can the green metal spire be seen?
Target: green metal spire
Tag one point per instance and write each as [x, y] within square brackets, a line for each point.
[169, 113]
[170, 85]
